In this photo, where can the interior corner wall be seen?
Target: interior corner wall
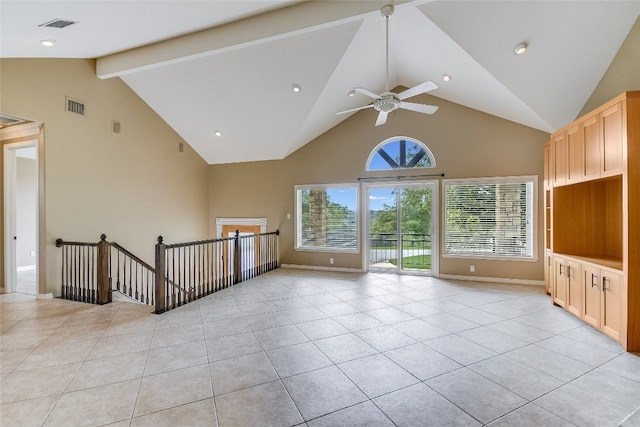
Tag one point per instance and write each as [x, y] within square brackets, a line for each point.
[622, 75]
[465, 143]
[131, 186]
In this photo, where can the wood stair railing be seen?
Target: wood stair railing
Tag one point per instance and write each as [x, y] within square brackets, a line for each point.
[184, 272]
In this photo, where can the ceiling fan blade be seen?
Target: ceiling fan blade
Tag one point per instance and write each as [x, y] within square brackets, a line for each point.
[417, 90]
[366, 92]
[355, 109]
[420, 108]
[382, 118]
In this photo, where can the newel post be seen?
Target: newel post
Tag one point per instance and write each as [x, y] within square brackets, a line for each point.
[161, 274]
[102, 270]
[236, 259]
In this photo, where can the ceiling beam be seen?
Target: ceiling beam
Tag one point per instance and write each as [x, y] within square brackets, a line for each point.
[292, 20]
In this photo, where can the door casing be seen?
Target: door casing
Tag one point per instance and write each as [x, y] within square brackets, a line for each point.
[434, 185]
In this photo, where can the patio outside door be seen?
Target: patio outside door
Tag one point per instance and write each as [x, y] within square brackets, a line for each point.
[401, 227]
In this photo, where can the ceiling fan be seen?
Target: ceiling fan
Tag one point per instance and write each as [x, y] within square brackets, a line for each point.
[389, 101]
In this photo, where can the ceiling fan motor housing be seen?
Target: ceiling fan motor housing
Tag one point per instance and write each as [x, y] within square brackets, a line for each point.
[386, 103]
[386, 10]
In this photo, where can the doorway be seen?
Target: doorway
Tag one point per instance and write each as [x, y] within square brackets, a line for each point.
[401, 224]
[21, 216]
[250, 249]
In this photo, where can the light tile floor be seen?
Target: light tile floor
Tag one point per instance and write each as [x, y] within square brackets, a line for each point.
[26, 281]
[318, 349]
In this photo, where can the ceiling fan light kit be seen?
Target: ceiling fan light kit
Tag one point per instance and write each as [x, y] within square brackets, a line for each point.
[388, 101]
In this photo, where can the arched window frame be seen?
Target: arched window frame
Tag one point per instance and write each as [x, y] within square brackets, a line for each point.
[427, 153]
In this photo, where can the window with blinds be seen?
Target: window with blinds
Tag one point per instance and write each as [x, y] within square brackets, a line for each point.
[489, 217]
[327, 217]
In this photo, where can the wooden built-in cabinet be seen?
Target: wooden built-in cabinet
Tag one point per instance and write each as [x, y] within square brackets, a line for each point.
[589, 148]
[603, 299]
[592, 219]
[567, 290]
[559, 159]
[548, 254]
[548, 270]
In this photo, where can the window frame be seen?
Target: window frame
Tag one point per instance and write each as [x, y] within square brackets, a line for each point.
[297, 237]
[533, 179]
[428, 153]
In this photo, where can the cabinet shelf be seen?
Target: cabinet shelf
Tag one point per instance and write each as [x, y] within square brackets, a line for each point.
[601, 260]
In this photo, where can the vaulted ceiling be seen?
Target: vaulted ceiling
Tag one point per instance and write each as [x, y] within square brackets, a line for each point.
[229, 66]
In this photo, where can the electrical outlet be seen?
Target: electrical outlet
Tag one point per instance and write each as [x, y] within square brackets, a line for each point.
[288, 216]
[472, 268]
[32, 253]
[330, 260]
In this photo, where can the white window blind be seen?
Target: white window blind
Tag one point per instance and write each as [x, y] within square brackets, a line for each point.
[492, 217]
[327, 217]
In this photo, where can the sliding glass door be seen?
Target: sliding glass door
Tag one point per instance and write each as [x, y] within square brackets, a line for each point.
[400, 227]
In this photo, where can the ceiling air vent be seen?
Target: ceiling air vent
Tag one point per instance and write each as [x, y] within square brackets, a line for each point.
[58, 23]
[74, 106]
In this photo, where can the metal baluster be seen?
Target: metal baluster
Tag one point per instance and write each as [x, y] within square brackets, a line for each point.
[118, 270]
[75, 267]
[92, 291]
[131, 279]
[65, 289]
[137, 294]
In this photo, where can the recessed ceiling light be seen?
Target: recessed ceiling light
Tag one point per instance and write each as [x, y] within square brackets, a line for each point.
[218, 133]
[446, 77]
[296, 88]
[521, 48]
[47, 43]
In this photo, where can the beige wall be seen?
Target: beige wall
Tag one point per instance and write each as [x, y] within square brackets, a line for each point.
[133, 186]
[622, 75]
[465, 143]
[136, 185]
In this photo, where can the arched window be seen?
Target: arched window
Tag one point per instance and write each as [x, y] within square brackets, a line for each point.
[400, 152]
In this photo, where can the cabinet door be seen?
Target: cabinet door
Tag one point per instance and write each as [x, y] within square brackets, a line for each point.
[575, 154]
[611, 306]
[611, 123]
[591, 130]
[547, 165]
[592, 293]
[548, 269]
[559, 282]
[559, 159]
[574, 288]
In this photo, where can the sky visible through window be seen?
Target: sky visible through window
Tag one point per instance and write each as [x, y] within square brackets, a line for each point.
[344, 197]
[384, 196]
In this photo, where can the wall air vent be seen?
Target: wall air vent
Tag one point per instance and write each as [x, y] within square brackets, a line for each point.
[74, 106]
[58, 23]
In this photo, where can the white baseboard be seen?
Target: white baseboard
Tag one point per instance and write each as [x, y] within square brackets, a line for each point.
[493, 279]
[27, 267]
[441, 276]
[319, 268]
